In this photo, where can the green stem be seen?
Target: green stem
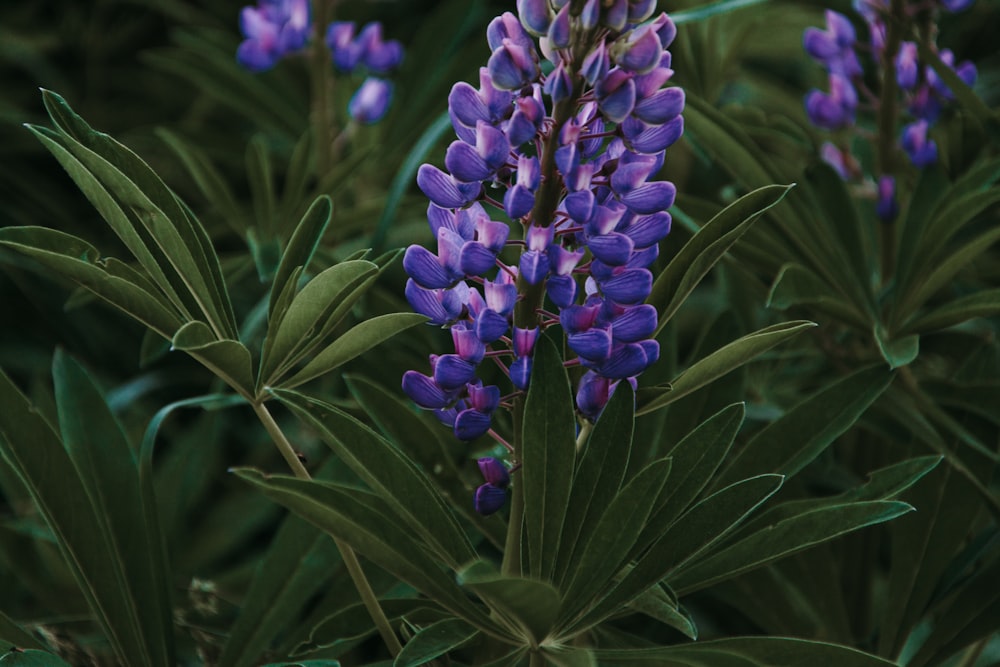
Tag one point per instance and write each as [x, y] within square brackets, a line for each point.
[351, 562]
[887, 113]
[511, 565]
[537, 659]
[322, 88]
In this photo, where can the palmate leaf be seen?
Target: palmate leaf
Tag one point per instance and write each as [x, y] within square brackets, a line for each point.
[548, 454]
[354, 342]
[743, 652]
[397, 480]
[598, 477]
[783, 538]
[435, 640]
[365, 522]
[77, 260]
[707, 247]
[229, 359]
[788, 443]
[31, 658]
[151, 205]
[88, 493]
[312, 314]
[528, 607]
[718, 363]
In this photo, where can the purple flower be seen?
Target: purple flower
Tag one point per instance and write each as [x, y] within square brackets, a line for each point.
[368, 48]
[918, 146]
[371, 101]
[272, 30]
[887, 209]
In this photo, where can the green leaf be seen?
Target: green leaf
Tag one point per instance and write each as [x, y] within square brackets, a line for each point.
[656, 603]
[301, 247]
[527, 607]
[796, 285]
[981, 304]
[261, 182]
[433, 641]
[363, 521]
[929, 192]
[76, 260]
[790, 442]
[207, 177]
[34, 451]
[390, 473]
[696, 458]
[783, 538]
[569, 656]
[598, 477]
[702, 526]
[744, 652]
[420, 436]
[613, 538]
[899, 351]
[941, 274]
[351, 624]
[168, 222]
[548, 452]
[707, 247]
[298, 562]
[13, 634]
[325, 298]
[354, 342]
[31, 658]
[229, 359]
[109, 472]
[711, 9]
[720, 362]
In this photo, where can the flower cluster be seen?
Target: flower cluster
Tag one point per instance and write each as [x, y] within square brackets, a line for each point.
[278, 28]
[569, 157]
[924, 94]
[272, 30]
[368, 51]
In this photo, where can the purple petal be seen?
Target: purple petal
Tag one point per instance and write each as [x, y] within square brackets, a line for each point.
[593, 345]
[535, 15]
[470, 424]
[491, 325]
[488, 499]
[642, 52]
[534, 266]
[629, 286]
[465, 163]
[452, 371]
[467, 345]
[613, 248]
[593, 394]
[494, 472]
[559, 29]
[561, 289]
[626, 361]
[616, 95]
[424, 267]
[518, 202]
[423, 391]
[466, 104]
[645, 230]
[443, 190]
[520, 373]
[484, 398]
[371, 101]
[635, 324]
[577, 318]
[650, 197]
[661, 106]
[477, 259]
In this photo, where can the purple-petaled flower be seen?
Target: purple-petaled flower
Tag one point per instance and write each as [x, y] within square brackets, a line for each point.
[494, 472]
[835, 157]
[512, 66]
[956, 5]
[834, 47]
[489, 499]
[907, 66]
[836, 109]
[272, 30]
[378, 55]
[921, 149]
[887, 209]
[370, 102]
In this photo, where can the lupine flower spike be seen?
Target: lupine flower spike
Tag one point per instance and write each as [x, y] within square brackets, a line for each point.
[575, 155]
[924, 94]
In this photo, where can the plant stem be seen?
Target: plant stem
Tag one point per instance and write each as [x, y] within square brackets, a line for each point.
[511, 565]
[351, 562]
[320, 66]
[887, 112]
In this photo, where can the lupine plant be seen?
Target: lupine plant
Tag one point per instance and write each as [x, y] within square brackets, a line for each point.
[524, 398]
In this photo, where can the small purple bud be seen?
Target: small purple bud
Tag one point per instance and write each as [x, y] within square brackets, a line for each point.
[590, 15]
[907, 65]
[593, 394]
[512, 66]
[489, 499]
[834, 157]
[616, 14]
[638, 51]
[921, 149]
[635, 324]
[535, 16]
[371, 101]
[452, 372]
[557, 84]
[559, 29]
[426, 268]
[594, 345]
[490, 326]
[640, 10]
[485, 399]
[661, 106]
[628, 360]
[467, 345]
[614, 248]
[665, 29]
[471, 424]
[615, 95]
[494, 472]
[524, 341]
[507, 26]
[596, 64]
[647, 230]
[886, 207]
[520, 373]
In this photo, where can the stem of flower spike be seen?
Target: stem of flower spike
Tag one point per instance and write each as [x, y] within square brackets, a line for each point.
[368, 596]
[321, 89]
[887, 125]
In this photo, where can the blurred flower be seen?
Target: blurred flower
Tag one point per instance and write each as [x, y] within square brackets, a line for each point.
[272, 30]
[371, 101]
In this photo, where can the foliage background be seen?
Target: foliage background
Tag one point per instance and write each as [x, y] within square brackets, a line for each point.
[138, 69]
